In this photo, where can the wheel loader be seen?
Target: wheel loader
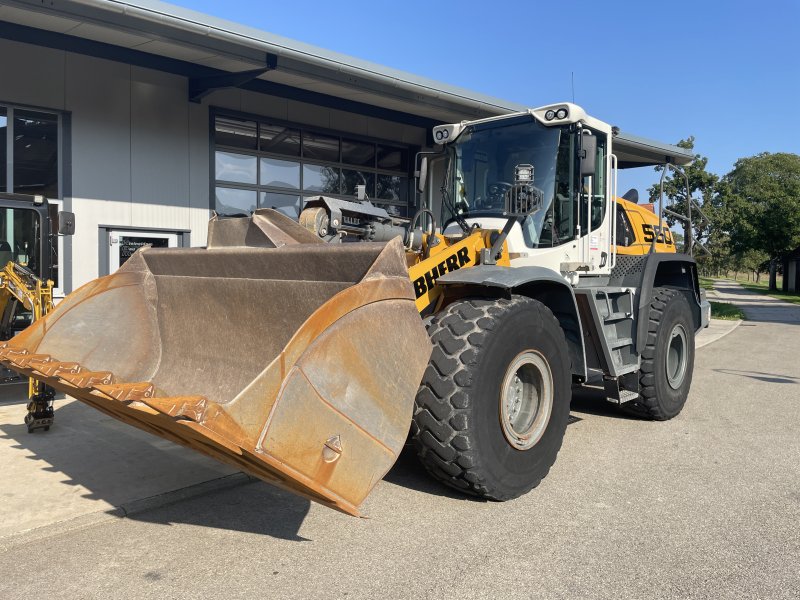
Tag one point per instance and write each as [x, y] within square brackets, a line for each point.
[304, 353]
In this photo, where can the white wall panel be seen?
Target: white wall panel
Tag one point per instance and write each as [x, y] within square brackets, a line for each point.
[414, 135]
[385, 130]
[349, 122]
[264, 105]
[31, 75]
[159, 150]
[199, 173]
[309, 114]
[98, 96]
[90, 213]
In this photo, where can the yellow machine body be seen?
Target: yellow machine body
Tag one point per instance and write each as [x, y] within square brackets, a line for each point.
[635, 237]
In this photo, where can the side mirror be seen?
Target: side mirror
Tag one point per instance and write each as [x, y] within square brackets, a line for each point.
[588, 154]
[66, 223]
[422, 174]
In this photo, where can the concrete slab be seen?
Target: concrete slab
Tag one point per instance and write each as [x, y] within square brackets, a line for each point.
[90, 466]
[87, 463]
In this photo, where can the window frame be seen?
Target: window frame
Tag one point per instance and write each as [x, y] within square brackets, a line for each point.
[11, 108]
[302, 160]
[62, 147]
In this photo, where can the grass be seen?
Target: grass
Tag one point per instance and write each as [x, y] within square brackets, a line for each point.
[729, 312]
[763, 289]
[706, 283]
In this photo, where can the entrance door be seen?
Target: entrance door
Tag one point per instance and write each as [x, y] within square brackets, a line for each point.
[122, 244]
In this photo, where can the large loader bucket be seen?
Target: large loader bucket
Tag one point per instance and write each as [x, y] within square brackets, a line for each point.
[297, 364]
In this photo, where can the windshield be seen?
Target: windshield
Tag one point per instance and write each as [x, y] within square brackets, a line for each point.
[19, 238]
[483, 163]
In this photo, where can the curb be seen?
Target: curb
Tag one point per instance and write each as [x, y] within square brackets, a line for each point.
[126, 509]
[718, 337]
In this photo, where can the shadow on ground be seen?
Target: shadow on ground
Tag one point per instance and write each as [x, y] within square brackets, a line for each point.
[118, 464]
[255, 507]
[760, 376]
[591, 400]
[114, 463]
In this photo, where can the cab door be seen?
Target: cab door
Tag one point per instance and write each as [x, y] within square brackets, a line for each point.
[593, 211]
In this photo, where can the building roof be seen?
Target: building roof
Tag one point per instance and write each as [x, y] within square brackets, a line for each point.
[178, 33]
[185, 38]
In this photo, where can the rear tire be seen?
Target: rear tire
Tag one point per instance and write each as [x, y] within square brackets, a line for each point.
[493, 406]
[668, 356]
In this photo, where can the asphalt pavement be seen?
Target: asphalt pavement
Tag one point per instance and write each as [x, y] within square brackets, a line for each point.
[704, 506]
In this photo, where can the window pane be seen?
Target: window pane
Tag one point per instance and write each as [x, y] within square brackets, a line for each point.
[19, 239]
[3, 157]
[236, 167]
[320, 147]
[280, 173]
[234, 132]
[285, 203]
[351, 179]
[279, 139]
[321, 179]
[358, 153]
[36, 153]
[393, 209]
[393, 187]
[392, 159]
[235, 202]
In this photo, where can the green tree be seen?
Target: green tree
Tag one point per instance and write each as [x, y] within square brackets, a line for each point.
[762, 200]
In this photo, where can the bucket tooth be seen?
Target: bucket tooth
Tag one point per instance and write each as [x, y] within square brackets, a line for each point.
[86, 379]
[187, 407]
[53, 368]
[23, 360]
[6, 351]
[128, 392]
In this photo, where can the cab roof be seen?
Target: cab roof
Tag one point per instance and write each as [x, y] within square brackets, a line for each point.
[634, 151]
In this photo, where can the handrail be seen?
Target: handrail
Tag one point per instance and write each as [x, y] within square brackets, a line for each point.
[689, 242]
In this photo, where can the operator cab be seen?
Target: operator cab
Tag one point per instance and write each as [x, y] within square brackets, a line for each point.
[568, 168]
[494, 163]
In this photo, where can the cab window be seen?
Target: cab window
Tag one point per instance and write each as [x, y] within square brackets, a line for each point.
[625, 236]
[19, 235]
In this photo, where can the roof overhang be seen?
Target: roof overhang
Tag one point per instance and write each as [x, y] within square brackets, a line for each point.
[633, 151]
[175, 33]
[213, 52]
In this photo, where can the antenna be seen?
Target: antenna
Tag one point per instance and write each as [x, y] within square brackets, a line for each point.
[572, 76]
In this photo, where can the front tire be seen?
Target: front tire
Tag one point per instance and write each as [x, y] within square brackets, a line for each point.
[668, 356]
[493, 406]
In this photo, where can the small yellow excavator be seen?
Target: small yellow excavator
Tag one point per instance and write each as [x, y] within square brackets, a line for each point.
[21, 290]
[29, 226]
[305, 360]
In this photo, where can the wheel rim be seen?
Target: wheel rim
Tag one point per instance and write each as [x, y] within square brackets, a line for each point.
[526, 399]
[677, 357]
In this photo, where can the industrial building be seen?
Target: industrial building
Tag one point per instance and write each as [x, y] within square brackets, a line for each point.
[142, 118]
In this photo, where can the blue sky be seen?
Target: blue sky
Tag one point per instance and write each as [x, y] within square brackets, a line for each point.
[727, 72]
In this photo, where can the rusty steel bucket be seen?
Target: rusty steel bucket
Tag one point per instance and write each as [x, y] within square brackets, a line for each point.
[293, 360]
